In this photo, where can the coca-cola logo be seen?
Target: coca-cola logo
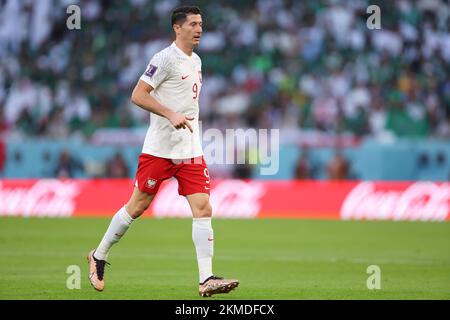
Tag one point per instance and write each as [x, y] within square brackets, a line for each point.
[229, 199]
[425, 201]
[44, 198]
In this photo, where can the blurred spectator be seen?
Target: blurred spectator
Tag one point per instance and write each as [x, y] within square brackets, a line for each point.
[3, 124]
[117, 167]
[57, 127]
[338, 167]
[303, 168]
[67, 166]
[243, 170]
[444, 128]
[2, 155]
[424, 160]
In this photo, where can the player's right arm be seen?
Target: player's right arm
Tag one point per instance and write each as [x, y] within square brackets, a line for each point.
[141, 97]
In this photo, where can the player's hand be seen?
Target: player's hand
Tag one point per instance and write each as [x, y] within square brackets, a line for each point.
[179, 121]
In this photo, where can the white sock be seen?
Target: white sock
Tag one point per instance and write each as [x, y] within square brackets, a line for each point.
[203, 237]
[117, 228]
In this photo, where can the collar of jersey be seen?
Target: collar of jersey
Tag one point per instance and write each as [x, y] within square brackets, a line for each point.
[181, 51]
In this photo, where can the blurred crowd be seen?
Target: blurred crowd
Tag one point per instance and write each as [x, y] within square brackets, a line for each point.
[69, 166]
[338, 167]
[309, 65]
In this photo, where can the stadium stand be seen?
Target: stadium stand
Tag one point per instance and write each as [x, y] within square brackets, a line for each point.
[304, 67]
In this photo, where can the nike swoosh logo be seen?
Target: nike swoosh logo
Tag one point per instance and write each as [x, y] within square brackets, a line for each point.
[207, 188]
[184, 77]
[210, 239]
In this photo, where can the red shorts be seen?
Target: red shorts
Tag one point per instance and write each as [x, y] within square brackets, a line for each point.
[192, 174]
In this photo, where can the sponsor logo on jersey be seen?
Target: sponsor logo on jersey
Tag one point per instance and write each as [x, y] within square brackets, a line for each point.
[151, 70]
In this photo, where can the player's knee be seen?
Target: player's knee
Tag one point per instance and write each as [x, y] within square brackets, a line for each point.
[135, 210]
[203, 211]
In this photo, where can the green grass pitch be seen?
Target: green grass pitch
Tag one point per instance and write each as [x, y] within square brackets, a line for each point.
[272, 258]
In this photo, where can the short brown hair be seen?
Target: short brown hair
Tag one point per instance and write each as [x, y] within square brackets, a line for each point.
[180, 14]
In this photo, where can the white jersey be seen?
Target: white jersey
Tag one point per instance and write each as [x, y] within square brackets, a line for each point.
[177, 80]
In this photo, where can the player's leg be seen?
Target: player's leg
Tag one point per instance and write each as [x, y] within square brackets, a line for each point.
[203, 237]
[149, 176]
[118, 226]
[202, 233]
[193, 180]
[138, 203]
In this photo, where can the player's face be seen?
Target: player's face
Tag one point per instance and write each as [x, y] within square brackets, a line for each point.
[191, 30]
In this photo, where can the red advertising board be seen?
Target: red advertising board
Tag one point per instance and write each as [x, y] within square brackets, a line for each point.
[349, 200]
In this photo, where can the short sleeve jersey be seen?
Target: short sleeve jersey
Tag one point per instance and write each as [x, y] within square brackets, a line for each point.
[176, 79]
